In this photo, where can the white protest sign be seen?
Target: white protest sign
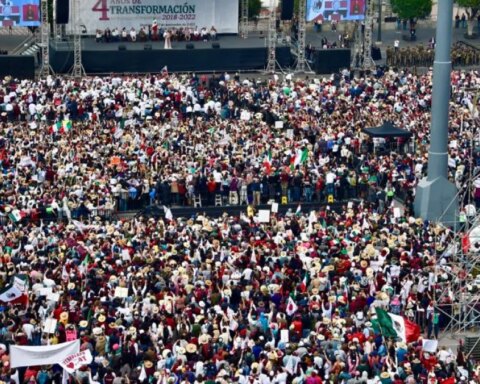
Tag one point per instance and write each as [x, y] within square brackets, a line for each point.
[275, 207]
[50, 326]
[53, 297]
[45, 291]
[121, 292]
[264, 216]
[430, 346]
[284, 336]
[73, 362]
[397, 213]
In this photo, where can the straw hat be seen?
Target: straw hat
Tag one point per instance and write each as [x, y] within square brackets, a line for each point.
[132, 330]
[191, 348]
[416, 361]
[166, 352]
[203, 339]
[83, 324]
[64, 317]
[101, 318]
[385, 375]
[71, 286]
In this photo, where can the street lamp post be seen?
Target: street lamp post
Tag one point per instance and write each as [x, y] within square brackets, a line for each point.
[379, 27]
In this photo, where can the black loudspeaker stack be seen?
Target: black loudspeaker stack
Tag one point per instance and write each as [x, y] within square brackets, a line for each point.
[215, 45]
[287, 9]
[122, 48]
[62, 11]
[328, 61]
[189, 46]
[376, 54]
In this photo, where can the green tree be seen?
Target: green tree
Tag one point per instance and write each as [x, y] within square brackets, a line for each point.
[472, 8]
[412, 9]
[254, 8]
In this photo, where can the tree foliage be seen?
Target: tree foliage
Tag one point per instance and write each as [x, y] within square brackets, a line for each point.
[412, 9]
[254, 8]
[472, 7]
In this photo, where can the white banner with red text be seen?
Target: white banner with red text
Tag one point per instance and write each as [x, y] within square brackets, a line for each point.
[25, 356]
[103, 14]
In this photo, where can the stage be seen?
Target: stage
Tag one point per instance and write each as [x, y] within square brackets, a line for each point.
[232, 54]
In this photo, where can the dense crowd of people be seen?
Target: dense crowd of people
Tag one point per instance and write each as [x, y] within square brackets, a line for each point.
[169, 139]
[227, 299]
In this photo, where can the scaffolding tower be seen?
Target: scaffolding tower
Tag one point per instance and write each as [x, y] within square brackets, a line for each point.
[362, 52]
[458, 293]
[302, 63]
[244, 18]
[457, 271]
[272, 39]
[77, 70]
[45, 69]
[57, 28]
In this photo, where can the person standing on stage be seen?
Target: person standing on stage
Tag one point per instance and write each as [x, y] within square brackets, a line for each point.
[154, 30]
[167, 36]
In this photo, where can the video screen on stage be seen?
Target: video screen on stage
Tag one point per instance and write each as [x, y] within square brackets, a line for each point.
[335, 10]
[19, 13]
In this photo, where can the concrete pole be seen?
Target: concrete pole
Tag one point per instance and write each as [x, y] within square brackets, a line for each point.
[436, 196]
[442, 67]
[379, 27]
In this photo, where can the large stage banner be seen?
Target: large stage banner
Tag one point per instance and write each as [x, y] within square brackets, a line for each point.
[102, 14]
[335, 10]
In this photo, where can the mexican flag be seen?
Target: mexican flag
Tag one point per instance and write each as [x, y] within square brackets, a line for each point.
[16, 292]
[61, 126]
[303, 284]
[67, 125]
[83, 267]
[299, 210]
[397, 327]
[267, 162]
[55, 128]
[16, 215]
[301, 157]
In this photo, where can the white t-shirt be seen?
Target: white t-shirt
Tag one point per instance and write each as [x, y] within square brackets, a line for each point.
[330, 179]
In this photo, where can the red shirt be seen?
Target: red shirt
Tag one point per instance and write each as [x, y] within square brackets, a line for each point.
[211, 186]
